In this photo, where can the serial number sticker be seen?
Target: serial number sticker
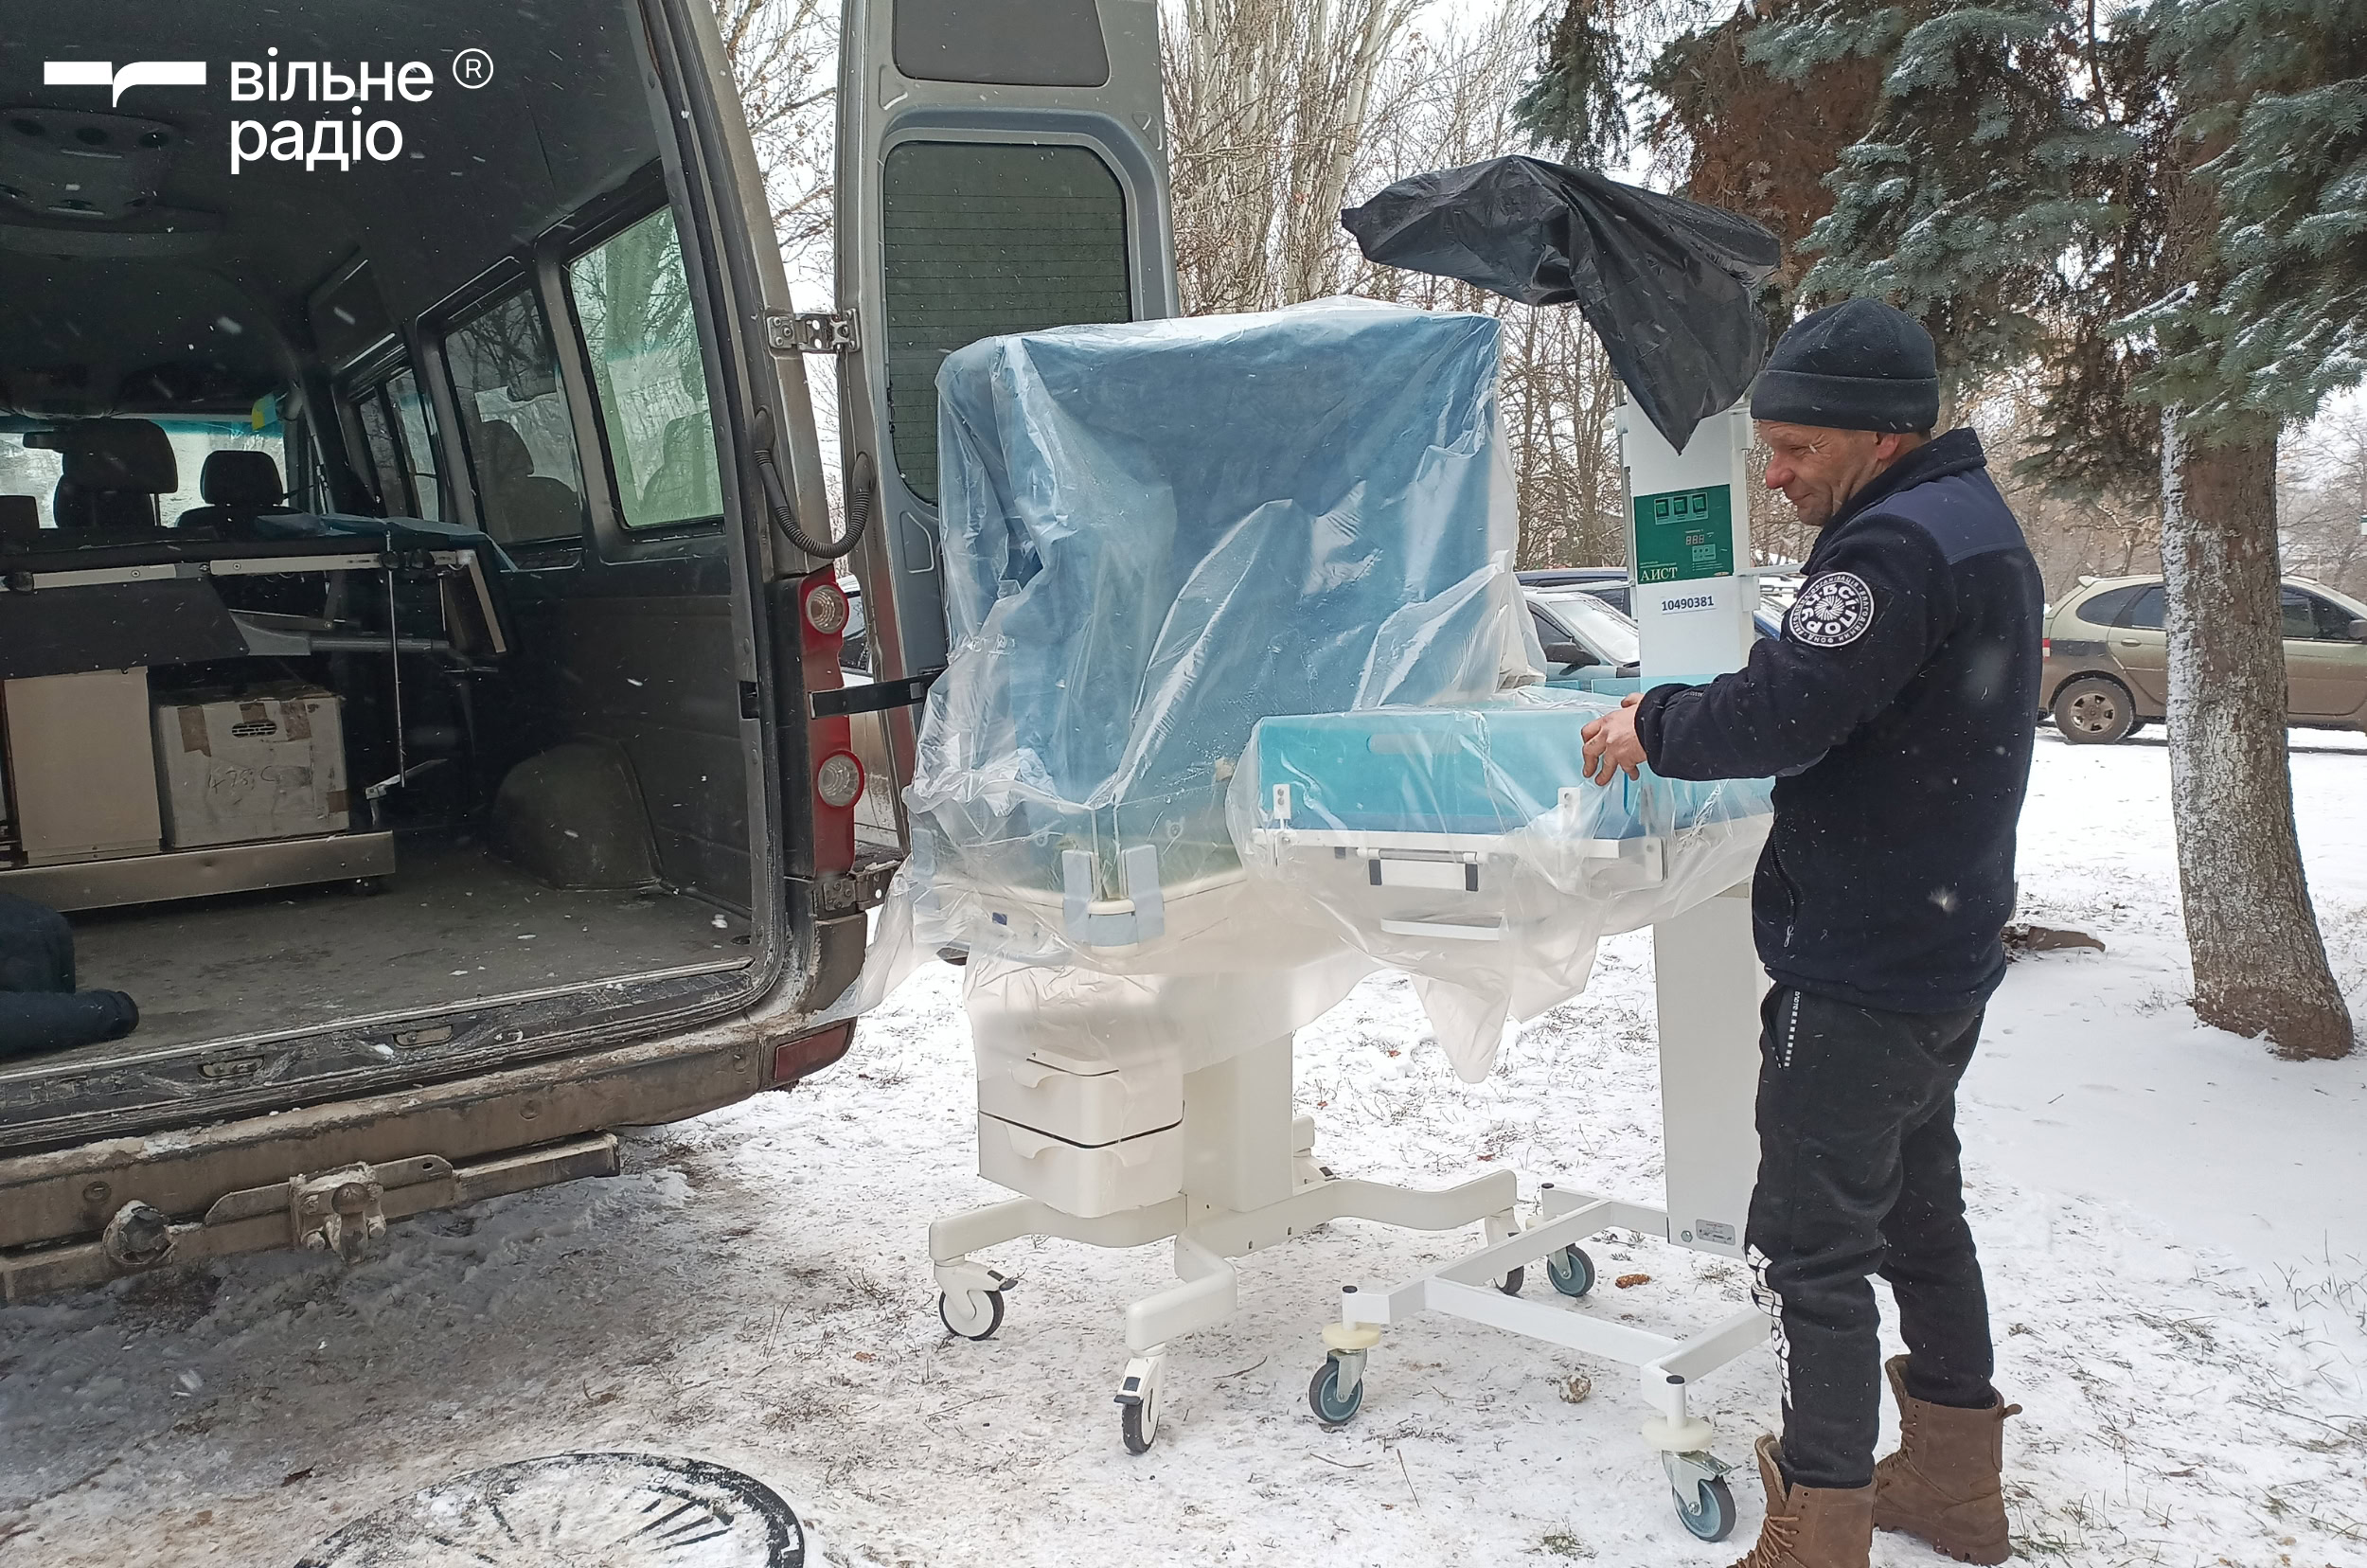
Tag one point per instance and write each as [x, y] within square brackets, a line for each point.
[1688, 601]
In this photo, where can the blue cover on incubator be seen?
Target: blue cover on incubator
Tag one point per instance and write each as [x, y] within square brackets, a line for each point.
[1487, 769]
[1157, 533]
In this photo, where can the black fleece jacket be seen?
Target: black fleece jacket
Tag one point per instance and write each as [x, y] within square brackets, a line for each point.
[1896, 713]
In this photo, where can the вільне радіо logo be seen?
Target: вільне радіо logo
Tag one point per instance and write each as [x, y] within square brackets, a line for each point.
[138, 73]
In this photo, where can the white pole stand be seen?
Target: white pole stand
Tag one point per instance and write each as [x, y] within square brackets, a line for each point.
[1249, 1180]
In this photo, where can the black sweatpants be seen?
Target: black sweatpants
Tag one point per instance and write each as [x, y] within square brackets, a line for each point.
[1858, 1172]
[40, 1009]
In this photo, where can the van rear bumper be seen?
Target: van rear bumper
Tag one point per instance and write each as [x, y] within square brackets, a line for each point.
[81, 1215]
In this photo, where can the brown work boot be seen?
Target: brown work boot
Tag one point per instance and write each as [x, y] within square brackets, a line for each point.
[1945, 1483]
[1811, 1526]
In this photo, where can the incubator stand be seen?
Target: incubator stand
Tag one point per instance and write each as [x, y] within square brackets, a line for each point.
[1239, 1174]
[1225, 729]
[1694, 595]
[1155, 534]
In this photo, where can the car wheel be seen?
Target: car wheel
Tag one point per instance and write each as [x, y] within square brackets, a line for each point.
[2093, 711]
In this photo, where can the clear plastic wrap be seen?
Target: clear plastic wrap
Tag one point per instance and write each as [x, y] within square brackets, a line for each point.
[1154, 535]
[1465, 845]
[1162, 541]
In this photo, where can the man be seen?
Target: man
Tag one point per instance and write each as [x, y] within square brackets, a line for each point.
[1896, 714]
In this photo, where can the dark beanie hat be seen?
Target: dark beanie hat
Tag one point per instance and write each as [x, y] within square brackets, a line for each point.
[1860, 364]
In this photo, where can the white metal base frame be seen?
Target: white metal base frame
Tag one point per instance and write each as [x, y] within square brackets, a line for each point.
[1467, 1289]
[1250, 1181]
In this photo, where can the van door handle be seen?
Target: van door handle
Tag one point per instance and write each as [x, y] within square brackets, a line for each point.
[2132, 642]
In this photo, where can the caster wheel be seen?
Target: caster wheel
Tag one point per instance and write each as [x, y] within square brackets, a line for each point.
[972, 1315]
[1709, 1512]
[1138, 1420]
[1511, 1283]
[1572, 1273]
[1325, 1399]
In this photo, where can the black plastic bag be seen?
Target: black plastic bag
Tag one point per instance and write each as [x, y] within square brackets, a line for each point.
[1667, 284]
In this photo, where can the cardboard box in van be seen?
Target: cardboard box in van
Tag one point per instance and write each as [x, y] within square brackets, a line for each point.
[265, 762]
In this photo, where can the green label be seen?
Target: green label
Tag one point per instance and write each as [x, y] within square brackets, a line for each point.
[1683, 534]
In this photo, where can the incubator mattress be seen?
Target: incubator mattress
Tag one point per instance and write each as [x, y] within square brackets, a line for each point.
[1465, 846]
[1468, 773]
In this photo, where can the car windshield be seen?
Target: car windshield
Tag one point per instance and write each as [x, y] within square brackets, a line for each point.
[35, 471]
[1600, 627]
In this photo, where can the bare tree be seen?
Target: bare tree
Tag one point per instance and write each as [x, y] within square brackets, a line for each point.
[2323, 504]
[1280, 111]
[1267, 104]
[784, 56]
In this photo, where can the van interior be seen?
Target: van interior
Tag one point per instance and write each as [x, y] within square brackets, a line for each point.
[374, 644]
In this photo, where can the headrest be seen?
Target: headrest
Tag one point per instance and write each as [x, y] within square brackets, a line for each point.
[241, 479]
[116, 454]
[18, 513]
[507, 458]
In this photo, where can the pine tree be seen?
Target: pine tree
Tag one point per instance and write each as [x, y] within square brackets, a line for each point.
[2275, 91]
[2265, 314]
[1958, 203]
[1756, 143]
[1577, 106]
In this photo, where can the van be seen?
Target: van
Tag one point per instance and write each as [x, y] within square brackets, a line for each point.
[421, 620]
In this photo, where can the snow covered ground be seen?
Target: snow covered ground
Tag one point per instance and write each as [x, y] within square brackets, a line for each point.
[2175, 1223]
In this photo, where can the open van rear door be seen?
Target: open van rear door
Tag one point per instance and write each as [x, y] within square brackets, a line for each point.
[1002, 168]
[782, 499]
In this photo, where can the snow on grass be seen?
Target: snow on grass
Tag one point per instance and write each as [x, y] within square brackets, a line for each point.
[2170, 1218]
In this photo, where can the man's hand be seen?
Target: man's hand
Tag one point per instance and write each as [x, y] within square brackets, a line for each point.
[1611, 744]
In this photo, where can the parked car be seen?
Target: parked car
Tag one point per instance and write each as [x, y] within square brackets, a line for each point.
[2107, 670]
[1585, 639]
[1608, 583]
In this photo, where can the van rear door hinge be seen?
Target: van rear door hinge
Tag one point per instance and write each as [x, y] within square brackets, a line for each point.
[811, 332]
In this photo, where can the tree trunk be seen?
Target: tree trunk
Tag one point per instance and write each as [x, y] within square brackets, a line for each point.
[2260, 965]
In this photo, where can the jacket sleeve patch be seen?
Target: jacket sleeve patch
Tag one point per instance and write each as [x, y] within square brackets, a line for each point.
[1832, 611]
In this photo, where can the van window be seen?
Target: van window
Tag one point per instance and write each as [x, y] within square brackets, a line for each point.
[514, 423]
[980, 240]
[632, 301]
[379, 444]
[416, 426]
[1020, 42]
[397, 435]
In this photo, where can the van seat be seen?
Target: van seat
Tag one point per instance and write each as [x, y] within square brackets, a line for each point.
[20, 520]
[237, 487]
[114, 471]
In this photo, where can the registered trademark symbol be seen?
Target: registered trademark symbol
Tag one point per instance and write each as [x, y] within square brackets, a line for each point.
[472, 68]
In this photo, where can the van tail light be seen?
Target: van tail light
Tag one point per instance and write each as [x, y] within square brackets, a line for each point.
[809, 1052]
[2046, 648]
[837, 782]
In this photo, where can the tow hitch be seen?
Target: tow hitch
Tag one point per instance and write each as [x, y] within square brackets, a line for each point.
[344, 1210]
